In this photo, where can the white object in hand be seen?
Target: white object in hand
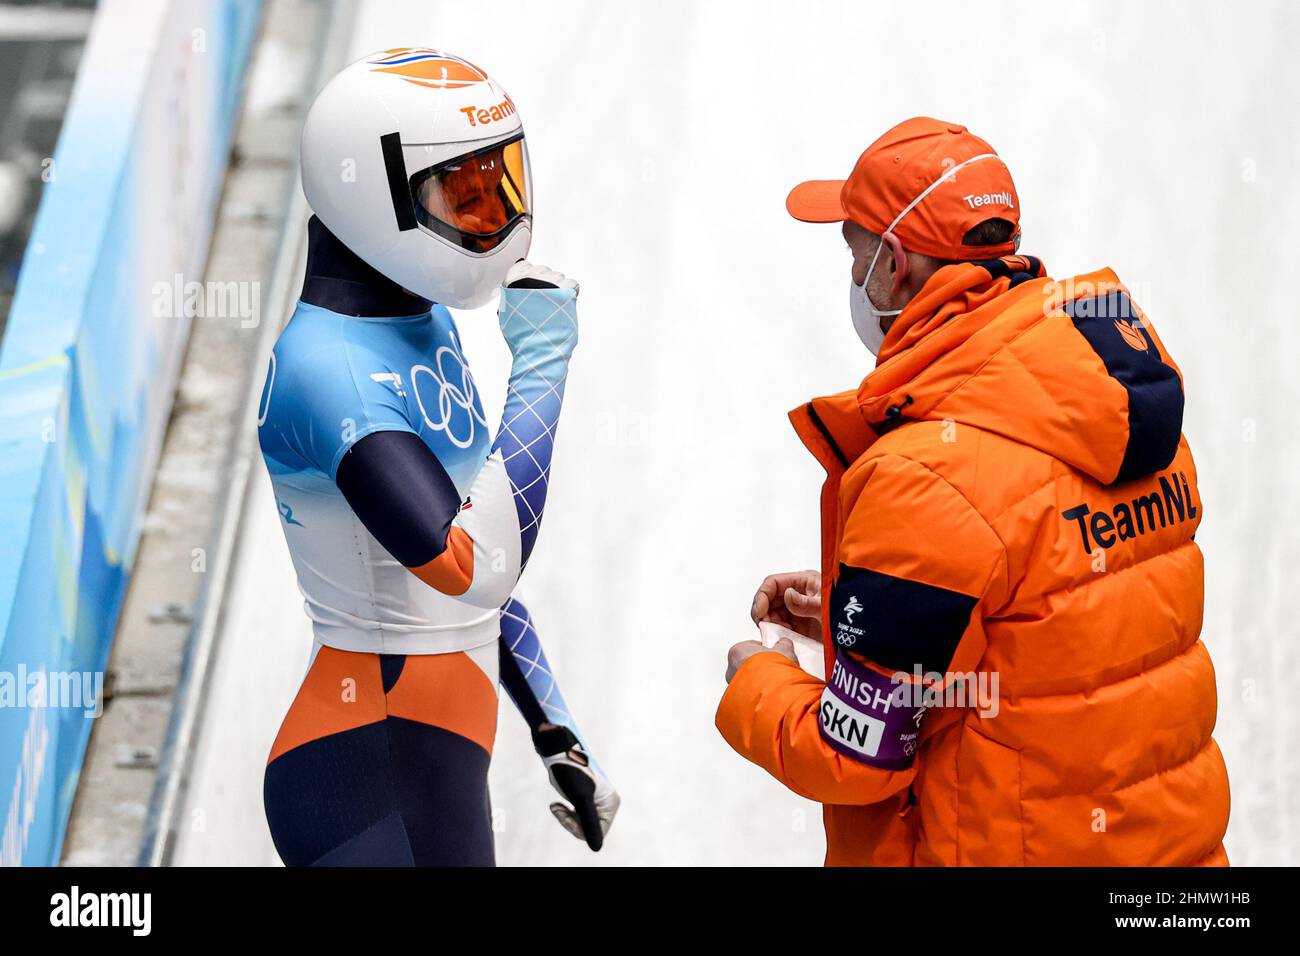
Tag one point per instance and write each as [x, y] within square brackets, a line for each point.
[808, 651]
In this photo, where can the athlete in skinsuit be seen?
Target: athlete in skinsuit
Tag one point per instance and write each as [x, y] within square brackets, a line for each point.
[408, 524]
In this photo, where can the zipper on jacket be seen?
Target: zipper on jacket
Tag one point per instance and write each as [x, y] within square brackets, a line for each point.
[826, 433]
[908, 802]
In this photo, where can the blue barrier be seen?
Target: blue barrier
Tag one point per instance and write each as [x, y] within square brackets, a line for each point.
[87, 370]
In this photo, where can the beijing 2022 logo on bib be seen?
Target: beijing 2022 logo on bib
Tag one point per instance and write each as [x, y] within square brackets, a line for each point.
[846, 634]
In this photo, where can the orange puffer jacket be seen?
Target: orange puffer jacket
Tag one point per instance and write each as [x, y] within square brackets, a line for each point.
[1010, 509]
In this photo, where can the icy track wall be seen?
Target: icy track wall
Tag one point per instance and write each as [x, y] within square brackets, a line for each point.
[88, 367]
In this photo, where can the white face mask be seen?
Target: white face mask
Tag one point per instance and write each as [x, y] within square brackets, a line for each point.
[866, 317]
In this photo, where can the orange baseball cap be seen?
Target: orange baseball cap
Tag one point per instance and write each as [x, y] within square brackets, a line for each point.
[928, 182]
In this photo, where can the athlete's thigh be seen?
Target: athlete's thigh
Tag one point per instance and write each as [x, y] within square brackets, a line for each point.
[442, 714]
[327, 789]
[382, 760]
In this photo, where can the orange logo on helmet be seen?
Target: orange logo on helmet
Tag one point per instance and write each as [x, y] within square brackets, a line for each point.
[429, 68]
[1132, 335]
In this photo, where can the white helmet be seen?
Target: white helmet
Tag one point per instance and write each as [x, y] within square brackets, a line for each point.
[416, 161]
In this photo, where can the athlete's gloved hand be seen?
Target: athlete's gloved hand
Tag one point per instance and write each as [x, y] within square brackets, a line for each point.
[539, 320]
[526, 275]
[593, 797]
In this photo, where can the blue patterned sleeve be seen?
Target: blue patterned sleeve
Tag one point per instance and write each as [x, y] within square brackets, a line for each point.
[541, 328]
[527, 676]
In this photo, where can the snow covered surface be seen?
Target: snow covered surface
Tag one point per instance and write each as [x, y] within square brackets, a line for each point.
[1156, 138]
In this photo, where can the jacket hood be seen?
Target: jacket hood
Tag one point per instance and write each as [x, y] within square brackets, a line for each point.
[1071, 367]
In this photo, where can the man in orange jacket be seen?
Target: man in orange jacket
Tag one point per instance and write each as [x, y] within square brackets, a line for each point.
[1010, 595]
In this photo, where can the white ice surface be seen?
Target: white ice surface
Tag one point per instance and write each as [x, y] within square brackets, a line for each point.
[1156, 138]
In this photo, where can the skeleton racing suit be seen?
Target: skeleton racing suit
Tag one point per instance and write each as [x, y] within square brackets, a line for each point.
[408, 529]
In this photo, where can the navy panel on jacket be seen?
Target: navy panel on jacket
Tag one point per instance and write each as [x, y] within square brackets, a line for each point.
[1114, 328]
[897, 623]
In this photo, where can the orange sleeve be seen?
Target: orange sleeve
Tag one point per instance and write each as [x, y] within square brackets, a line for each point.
[452, 571]
[912, 565]
[769, 716]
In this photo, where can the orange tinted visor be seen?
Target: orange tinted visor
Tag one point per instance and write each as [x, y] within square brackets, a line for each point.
[475, 200]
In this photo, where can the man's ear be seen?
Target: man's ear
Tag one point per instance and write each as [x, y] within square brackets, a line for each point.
[899, 264]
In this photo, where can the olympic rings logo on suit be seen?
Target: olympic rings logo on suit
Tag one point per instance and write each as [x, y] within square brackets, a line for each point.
[454, 397]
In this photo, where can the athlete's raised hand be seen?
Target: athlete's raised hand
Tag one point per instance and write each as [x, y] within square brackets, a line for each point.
[527, 275]
[539, 320]
[792, 599]
[593, 797]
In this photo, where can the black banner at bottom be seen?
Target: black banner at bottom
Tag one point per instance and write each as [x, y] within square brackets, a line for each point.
[215, 905]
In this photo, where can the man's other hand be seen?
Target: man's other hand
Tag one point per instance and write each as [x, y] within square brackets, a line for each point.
[743, 651]
[792, 599]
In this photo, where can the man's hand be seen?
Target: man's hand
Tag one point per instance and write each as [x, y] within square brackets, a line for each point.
[743, 651]
[792, 599]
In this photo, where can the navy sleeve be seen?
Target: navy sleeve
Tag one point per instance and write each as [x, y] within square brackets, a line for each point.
[401, 493]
